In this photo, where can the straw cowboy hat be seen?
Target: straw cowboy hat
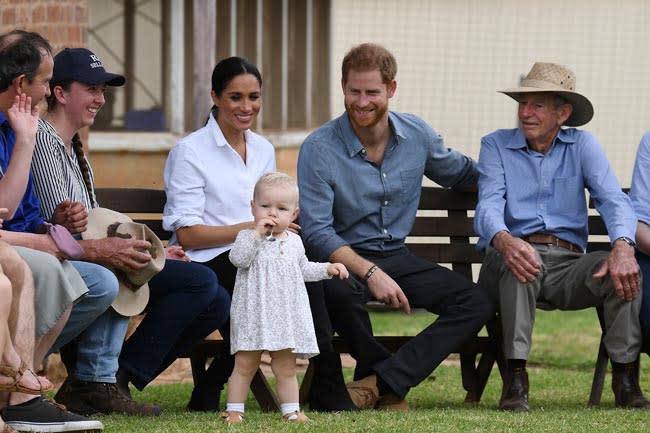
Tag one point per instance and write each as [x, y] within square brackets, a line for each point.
[134, 290]
[558, 79]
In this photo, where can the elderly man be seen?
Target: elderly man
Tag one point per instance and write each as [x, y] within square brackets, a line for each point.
[360, 177]
[532, 219]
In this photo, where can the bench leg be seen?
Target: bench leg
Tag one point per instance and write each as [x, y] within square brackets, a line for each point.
[305, 385]
[600, 371]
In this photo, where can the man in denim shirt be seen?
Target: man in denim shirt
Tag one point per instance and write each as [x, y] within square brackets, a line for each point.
[360, 177]
[532, 218]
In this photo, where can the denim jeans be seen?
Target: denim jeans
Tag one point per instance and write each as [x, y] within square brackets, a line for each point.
[186, 304]
[644, 315]
[99, 330]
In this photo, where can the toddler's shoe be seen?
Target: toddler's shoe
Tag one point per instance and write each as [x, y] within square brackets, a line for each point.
[232, 417]
[296, 417]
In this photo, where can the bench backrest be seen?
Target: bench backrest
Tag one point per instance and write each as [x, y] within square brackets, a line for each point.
[443, 231]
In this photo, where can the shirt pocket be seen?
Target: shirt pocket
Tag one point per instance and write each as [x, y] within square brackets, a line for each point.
[411, 180]
[568, 197]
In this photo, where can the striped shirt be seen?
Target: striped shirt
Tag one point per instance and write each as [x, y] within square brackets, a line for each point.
[56, 172]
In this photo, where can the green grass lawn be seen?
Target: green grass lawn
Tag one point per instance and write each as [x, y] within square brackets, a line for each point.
[565, 347]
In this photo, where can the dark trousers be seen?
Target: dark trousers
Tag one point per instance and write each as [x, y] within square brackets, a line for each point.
[186, 304]
[221, 367]
[644, 315]
[462, 308]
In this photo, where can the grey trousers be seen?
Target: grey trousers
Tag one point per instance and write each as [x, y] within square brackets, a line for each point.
[565, 282]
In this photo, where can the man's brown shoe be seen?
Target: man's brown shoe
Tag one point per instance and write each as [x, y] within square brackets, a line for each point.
[392, 402]
[364, 393]
[89, 398]
[627, 392]
[514, 397]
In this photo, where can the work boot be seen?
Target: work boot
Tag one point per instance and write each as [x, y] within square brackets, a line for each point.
[392, 402]
[88, 398]
[364, 393]
[515, 391]
[625, 384]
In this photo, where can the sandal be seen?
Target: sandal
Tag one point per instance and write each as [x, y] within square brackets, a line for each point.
[296, 417]
[17, 375]
[232, 417]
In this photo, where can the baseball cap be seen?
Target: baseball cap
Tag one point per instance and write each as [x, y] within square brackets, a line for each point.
[81, 64]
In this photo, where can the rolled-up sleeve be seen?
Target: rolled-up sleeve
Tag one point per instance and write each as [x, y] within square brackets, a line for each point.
[185, 188]
[448, 167]
[316, 176]
[640, 188]
[611, 202]
[489, 218]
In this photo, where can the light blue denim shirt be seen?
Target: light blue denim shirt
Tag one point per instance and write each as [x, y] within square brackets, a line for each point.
[640, 188]
[524, 191]
[345, 199]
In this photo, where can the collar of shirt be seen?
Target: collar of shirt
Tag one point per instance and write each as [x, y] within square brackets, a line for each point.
[352, 143]
[217, 133]
[518, 141]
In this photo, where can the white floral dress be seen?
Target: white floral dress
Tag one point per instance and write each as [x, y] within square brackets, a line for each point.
[270, 308]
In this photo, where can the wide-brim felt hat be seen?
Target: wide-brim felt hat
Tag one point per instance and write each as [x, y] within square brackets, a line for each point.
[560, 80]
[133, 295]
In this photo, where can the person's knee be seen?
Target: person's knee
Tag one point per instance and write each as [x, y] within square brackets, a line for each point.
[283, 364]
[103, 288]
[246, 364]
[12, 264]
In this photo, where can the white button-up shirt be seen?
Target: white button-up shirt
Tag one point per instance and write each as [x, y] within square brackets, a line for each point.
[208, 183]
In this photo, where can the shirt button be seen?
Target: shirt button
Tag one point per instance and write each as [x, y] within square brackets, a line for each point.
[385, 202]
[385, 231]
[383, 174]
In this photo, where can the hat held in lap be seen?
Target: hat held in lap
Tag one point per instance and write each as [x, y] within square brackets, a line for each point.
[560, 80]
[134, 288]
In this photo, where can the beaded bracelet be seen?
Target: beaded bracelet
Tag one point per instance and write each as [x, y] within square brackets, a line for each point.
[371, 271]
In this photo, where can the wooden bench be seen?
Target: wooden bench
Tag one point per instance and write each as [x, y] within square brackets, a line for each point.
[443, 233]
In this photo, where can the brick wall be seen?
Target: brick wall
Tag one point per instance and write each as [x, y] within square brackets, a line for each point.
[63, 22]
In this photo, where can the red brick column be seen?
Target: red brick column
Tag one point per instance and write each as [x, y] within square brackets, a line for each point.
[63, 22]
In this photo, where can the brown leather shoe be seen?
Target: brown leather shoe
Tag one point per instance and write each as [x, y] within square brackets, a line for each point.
[90, 398]
[392, 402]
[364, 393]
[514, 397]
[627, 392]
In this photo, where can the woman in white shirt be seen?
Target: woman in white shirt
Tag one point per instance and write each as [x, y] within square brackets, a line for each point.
[209, 179]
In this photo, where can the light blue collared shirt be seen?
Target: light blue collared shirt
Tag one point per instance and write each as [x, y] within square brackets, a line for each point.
[524, 191]
[345, 199]
[640, 188]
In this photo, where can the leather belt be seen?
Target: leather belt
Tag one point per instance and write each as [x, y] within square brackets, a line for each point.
[548, 239]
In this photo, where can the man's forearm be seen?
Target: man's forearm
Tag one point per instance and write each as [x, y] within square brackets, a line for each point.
[352, 261]
[30, 240]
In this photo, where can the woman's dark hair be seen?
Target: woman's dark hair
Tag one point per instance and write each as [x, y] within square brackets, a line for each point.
[226, 70]
[51, 100]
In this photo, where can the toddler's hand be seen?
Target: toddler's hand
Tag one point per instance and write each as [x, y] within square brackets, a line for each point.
[338, 269]
[264, 226]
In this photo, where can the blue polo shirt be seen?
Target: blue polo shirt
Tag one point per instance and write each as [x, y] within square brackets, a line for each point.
[28, 215]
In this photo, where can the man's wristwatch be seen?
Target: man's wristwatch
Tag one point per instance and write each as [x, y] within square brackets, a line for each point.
[627, 240]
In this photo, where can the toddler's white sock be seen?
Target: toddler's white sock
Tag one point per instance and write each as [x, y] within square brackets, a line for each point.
[235, 407]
